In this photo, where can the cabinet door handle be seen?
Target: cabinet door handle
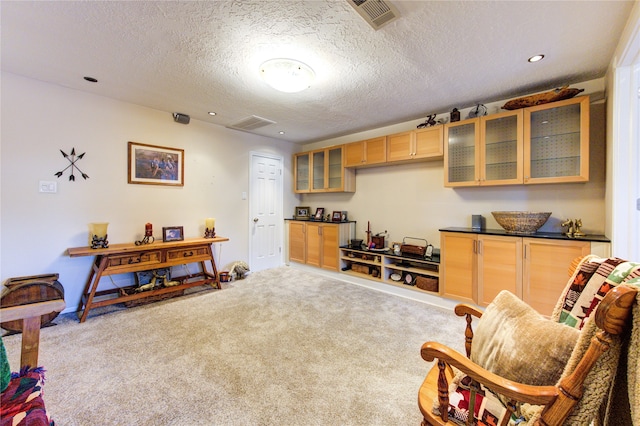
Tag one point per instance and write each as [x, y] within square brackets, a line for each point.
[187, 254]
[134, 260]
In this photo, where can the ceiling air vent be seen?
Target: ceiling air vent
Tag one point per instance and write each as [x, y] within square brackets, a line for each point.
[377, 13]
[250, 123]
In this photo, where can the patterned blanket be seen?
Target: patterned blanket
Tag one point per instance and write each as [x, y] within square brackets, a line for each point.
[22, 403]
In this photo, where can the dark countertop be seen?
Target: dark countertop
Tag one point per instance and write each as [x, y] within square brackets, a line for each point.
[320, 221]
[547, 235]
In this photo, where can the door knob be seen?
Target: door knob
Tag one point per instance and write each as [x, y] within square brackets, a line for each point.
[255, 219]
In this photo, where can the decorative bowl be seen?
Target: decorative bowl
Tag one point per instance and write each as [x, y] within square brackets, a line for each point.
[521, 222]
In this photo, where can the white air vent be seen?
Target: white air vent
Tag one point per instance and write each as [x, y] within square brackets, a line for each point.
[250, 123]
[377, 13]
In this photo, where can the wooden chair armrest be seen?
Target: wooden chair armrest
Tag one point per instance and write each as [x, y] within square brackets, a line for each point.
[468, 311]
[13, 313]
[539, 395]
[463, 309]
[30, 314]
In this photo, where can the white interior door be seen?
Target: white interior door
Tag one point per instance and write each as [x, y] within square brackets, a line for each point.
[265, 207]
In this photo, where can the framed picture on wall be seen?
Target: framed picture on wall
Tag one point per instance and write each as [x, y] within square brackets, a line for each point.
[155, 165]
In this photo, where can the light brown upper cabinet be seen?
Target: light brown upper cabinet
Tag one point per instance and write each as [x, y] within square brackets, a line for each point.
[542, 144]
[418, 144]
[484, 151]
[322, 171]
[557, 142]
[366, 153]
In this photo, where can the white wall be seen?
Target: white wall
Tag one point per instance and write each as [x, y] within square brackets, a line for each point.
[40, 119]
[411, 200]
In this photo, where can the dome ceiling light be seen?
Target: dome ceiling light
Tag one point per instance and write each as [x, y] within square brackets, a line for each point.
[287, 75]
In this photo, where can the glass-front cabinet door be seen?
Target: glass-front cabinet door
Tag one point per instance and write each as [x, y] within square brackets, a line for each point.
[501, 148]
[302, 172]
[556, 142]
[318, 170]
[461, 154]
[334, 168]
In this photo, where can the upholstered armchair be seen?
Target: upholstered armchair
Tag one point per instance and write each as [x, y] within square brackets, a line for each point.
[577, 367]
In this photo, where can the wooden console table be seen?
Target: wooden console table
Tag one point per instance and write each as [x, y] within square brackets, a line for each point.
[123, 258]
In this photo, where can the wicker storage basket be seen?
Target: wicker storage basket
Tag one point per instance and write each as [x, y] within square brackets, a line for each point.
[427, 283]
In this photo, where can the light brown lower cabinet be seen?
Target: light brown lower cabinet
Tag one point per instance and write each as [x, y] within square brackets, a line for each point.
[546, 268]
[318, 243]
[476, 267]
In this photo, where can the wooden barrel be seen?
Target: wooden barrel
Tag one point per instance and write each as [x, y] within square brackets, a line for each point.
[32, 289]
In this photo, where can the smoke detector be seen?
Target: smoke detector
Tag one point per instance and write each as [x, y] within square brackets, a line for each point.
[377, 13]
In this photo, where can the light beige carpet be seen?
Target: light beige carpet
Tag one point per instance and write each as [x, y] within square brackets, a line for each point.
[282, 347]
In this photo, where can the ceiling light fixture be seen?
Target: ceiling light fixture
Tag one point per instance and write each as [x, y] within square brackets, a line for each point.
[211, 113]
[535, 58]
[287, 75]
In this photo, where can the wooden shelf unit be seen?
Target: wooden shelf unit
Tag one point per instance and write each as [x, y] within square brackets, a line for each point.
[379, 266]
[124, 258]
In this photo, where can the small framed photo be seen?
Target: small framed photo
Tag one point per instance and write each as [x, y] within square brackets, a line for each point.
[155, 165]
[336, 217]
[302, 213]
[344, 216]
[172, 233]
[319, 213]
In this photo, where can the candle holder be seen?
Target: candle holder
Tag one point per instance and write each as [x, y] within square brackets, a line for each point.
[99, 242]
[209, 233]
[148, 239]
[148, 235]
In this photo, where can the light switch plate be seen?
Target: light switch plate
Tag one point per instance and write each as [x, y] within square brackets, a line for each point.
[48, 186]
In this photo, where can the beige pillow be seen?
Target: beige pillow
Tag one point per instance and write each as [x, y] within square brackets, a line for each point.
[514, 341]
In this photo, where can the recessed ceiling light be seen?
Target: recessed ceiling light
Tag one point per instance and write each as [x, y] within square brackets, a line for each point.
[91, 79]
[212, 113]
[287, 75]
[535, 58]
[281, 132]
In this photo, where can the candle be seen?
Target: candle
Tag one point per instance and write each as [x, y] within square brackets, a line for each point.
[99, 229]
[211, 223]
[148, 230]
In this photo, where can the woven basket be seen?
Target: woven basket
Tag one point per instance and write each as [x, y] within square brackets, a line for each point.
[521, 222]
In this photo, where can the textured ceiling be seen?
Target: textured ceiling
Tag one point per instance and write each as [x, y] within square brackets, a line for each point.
[194, 57]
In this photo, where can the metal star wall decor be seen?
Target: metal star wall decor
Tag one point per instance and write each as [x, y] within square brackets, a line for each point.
[72, 160]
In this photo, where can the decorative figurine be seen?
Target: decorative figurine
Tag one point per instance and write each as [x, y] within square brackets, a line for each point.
[570, 230]
[455, 115]
[577, 232]
[430, 121]
[148, 235]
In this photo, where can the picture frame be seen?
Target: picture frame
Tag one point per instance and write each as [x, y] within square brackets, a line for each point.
[172, 233]
[336, 216]
[319, 214]
[344, 216]
[302, 213]
[155, 165]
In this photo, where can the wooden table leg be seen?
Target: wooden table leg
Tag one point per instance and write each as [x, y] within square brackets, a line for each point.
[95, 275]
